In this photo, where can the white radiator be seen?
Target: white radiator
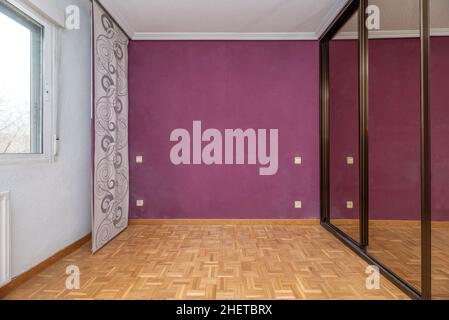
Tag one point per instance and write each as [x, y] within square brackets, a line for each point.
[5, 239]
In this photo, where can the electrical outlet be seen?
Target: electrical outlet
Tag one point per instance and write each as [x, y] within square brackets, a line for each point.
[350, 161]
[298, 204]
[139, 203]
[349, 204]
[139, 159]
[298, 160]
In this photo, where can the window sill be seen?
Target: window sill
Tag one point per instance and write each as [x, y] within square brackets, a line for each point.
[11, 159]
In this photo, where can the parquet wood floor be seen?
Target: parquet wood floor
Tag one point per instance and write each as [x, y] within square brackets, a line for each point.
[399, 248]
[212, 262]
[440, 263]
[397, 245]
[349, 227]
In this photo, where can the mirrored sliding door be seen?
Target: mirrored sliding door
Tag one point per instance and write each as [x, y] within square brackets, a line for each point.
[384, 129]
[439, 110]
[344, 129]
[394, 157]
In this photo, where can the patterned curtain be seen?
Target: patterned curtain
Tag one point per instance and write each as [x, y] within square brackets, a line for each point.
[110, 129]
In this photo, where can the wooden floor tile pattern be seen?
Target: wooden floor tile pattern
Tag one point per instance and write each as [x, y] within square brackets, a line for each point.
[212, 262]
[440, 263]
[398, 246]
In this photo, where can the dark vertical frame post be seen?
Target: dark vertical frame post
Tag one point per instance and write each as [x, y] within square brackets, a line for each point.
[426, 206]
[363, 125]
[338, 22]
[324, 131]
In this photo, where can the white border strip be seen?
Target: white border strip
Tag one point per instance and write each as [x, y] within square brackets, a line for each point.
[224, 36]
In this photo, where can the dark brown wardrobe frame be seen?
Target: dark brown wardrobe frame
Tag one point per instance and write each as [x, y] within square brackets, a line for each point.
[361, 248]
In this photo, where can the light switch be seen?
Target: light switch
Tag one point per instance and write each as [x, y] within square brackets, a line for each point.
[350, 161]
[349, 204]
[298, 160]
[298, 204]
[139, 159]
[139, 203]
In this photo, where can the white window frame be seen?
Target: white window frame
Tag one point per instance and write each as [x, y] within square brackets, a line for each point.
[49, 87]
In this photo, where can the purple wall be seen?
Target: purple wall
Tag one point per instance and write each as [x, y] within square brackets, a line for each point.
[439, 97]
[394, 128]
[225, 84]
[343, 128]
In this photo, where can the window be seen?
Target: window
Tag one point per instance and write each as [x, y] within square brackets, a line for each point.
[27, 67]
[20, 83]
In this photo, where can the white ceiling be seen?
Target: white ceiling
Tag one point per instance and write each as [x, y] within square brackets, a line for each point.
[263, 19]
[200, 19]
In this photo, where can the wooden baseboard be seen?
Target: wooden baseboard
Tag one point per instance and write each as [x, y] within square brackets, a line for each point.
[377, 223]
[383, 223]
[400, 223]
[43, 265]
[440, 224]
[224, 221]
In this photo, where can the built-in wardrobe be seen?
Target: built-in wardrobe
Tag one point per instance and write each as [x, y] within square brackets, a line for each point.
[385, 138]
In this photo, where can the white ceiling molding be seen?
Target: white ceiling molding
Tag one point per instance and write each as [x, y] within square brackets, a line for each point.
[338, 6]
[393, 34]
[129, 30]
[224, 36]
[439, 32]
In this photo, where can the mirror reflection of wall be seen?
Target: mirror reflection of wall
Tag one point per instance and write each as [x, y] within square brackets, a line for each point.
[344, 129]
[394, 139]
[439, 110]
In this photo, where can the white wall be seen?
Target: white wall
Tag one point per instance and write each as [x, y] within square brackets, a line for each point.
[50, 203]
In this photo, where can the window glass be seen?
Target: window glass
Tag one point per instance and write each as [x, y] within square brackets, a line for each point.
[20, 83]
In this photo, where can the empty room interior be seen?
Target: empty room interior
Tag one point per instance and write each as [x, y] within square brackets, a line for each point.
[224, 150]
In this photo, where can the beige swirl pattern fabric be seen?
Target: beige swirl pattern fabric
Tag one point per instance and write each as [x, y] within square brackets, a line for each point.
[110, 129]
